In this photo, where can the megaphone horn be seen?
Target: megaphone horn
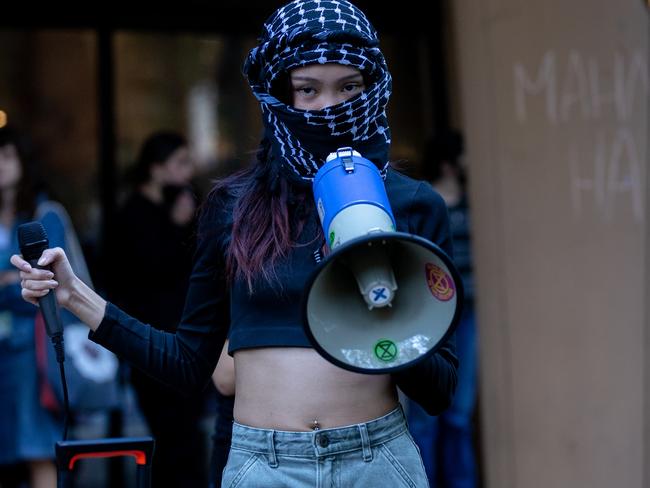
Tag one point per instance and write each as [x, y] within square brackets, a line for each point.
[382, 300]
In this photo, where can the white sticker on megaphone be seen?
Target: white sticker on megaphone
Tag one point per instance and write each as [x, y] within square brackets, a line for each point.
[380, 295]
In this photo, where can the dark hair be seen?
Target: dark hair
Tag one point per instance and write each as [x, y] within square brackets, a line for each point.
[268, 215]
[444, 147]
[155, 150]
[28, 185]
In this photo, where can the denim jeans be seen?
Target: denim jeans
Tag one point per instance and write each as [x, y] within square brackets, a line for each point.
[446, 442]
[372, 454]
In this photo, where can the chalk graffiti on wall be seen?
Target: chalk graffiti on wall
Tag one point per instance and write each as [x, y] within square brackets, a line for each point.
[605, 164]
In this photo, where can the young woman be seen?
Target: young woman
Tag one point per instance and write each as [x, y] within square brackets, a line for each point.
[322, 83]
[28, 431]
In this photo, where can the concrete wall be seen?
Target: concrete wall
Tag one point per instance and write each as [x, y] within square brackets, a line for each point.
[553, 99]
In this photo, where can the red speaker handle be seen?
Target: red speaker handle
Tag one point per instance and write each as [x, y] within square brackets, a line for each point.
[69, 452]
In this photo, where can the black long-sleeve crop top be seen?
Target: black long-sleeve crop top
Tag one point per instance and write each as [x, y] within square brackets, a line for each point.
[271, 316]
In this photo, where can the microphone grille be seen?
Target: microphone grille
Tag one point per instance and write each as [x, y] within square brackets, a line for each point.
[32, 239]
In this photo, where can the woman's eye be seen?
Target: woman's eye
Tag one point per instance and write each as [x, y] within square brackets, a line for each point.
[351, 87]
[305, 90]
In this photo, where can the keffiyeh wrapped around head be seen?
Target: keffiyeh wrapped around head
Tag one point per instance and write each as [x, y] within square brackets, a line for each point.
[319, 32]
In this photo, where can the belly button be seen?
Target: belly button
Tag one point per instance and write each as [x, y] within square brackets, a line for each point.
[315, 425]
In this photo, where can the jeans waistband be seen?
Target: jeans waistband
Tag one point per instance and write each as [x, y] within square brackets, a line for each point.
[321, 442]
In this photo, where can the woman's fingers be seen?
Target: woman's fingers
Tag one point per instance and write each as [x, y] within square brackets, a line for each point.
[36, 274]
[37, 282]
[29, 299]
[32, 296]
[32, 290]
[20, 263]
[39, 285]
[49, 256]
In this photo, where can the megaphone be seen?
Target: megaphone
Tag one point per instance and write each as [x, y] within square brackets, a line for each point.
[381, 300]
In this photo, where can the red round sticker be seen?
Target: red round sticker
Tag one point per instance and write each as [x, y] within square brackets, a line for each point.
[440, 283]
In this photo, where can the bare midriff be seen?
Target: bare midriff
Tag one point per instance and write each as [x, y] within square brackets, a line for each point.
[295, 389]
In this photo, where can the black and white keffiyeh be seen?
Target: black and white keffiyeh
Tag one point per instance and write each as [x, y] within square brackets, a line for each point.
[319, 32]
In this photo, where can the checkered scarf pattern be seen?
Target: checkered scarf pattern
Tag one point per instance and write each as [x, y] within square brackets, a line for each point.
[308, 32]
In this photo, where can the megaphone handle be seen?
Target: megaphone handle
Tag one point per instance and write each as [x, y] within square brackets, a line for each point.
[318, 253]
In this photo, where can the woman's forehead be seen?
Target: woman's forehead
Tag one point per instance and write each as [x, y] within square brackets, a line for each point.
[328, 71]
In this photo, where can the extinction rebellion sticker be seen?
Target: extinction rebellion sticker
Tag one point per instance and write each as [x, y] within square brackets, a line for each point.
[440, 283]
[385, 350]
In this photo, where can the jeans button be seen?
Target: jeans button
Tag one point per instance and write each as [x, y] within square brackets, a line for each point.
[323, 440]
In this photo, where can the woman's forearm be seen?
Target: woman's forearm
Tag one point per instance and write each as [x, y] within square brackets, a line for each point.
[87, 305]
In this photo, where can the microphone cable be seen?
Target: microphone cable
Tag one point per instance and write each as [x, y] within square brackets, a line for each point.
[59, 348]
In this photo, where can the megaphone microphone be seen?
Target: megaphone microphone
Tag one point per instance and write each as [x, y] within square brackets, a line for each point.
[382, 300]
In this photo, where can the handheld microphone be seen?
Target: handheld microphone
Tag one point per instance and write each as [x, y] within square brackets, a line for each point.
[33, 240]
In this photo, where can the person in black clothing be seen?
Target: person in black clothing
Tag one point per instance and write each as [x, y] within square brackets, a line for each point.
[155, 225]
[300, 421]
[154, 232]
[447, 441]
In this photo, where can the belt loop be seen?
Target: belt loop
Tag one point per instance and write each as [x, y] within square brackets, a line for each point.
[365, 442]
[273, 460]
